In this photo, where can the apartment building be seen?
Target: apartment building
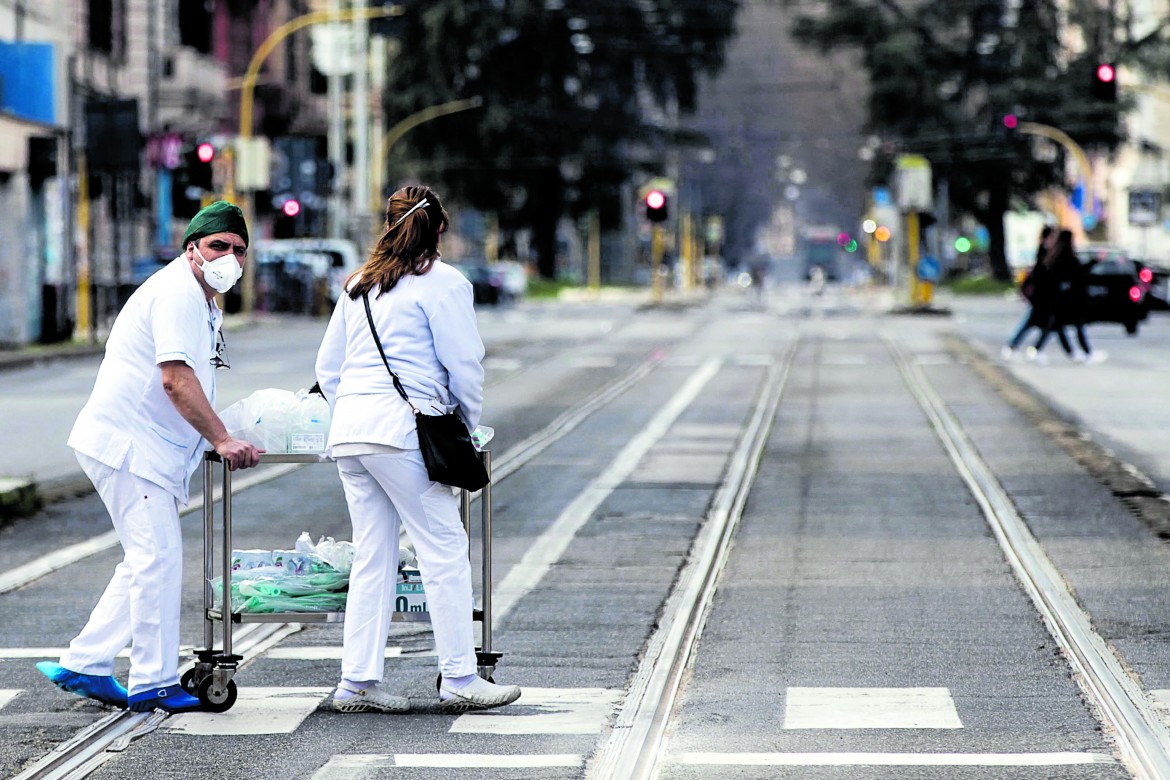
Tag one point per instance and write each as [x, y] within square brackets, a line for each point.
[99, 99]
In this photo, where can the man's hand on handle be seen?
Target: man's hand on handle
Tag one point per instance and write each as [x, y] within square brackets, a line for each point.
[237, 453]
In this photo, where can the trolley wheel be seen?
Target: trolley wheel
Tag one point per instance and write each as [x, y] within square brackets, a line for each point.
[220, 700]
[187, 682]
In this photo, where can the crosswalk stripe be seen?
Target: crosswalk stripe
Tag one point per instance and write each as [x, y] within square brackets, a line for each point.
[7, 695]
[348, 767]
[870, 708]
[557, 711]
[891, 759]
[318, 653]
[256, 711]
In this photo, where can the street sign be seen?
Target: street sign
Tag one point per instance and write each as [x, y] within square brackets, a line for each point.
[1145, 207]
[928, 269]
[253, 163]
[912, 183]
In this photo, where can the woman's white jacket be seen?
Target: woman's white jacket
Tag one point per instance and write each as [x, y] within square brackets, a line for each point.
[427, 327]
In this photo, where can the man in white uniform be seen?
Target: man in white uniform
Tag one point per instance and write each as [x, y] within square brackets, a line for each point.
[139, 439]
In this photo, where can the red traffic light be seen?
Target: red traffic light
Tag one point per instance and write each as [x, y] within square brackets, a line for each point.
[1010, 121]
[655, 199]
[205, 152]
[291, 207]
[1106, 72]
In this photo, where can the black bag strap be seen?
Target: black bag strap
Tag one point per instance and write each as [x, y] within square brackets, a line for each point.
[382, 352]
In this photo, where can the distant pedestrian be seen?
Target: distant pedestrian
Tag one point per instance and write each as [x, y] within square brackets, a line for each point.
[1070, 285]
[422, 311]
[1038, 291]
[139, 439]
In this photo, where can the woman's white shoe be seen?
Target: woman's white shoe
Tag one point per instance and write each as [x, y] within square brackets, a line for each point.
[479, 694]
[372, 699]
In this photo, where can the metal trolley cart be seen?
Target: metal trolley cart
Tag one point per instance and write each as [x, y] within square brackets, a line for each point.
[211, 677]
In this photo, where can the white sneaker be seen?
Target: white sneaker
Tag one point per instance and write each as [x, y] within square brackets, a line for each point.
[1100, 356]
[479, 694]
[1007, 354]
[372, 699]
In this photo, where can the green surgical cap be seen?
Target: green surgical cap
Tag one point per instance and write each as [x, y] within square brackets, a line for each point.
[218, 217]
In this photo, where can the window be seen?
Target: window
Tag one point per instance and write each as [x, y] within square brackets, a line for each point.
[101, 25]
[195, 24]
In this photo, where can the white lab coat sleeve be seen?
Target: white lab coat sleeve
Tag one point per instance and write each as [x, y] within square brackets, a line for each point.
[331, 353]
[460, 350]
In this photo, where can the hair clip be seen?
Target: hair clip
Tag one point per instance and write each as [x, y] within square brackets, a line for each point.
[418, 205]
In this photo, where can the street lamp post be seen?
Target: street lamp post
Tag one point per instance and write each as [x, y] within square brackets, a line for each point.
[395, 134]
[248, 87]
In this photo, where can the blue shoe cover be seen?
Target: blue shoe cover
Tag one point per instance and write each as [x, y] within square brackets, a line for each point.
[102, 688]
[170, 699]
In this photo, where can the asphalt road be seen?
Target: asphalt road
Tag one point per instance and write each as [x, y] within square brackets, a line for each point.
[865, 608]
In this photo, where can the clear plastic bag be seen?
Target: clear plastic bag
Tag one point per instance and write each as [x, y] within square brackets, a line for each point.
[262, 419]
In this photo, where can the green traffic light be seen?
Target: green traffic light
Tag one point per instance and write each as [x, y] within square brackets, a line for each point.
[962, 244]
[851, 246]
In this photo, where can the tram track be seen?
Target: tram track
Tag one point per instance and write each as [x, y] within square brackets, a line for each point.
[634, 746]
[89, 748]
[1142, 739]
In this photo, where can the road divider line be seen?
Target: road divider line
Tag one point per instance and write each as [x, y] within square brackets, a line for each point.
[633, 748]
[506, 465]
[67, 556]
[548, 548]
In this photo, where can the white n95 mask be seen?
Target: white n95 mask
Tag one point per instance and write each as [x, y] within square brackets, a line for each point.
[222, 272]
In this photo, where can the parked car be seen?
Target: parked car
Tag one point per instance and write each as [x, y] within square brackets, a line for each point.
[305, 275]
[1118, 291]
[486, 282]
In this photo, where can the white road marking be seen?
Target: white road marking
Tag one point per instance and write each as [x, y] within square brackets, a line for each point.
[501, 364]
[754, 360]
[844, 360]
[59, 559]
[682, 361]
[352, 767]
[559, 711]
[593, 361]
[256, 711]
[318, 653]
[7, 695]
[7, 653]
[551, 545]
[891, 759]
[870, 708]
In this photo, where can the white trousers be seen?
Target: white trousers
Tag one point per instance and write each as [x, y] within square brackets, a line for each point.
[383, 490]
[141, 603]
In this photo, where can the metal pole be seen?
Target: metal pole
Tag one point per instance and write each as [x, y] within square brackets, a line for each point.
[656, 263]
[485, 509]
[208, 553]
[227, 559]
[336, 131]
[361, 122]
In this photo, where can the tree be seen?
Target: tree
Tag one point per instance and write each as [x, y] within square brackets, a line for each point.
[944, 75]
[565, 85]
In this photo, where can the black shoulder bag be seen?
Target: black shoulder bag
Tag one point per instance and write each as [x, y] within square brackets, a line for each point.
[446, 446]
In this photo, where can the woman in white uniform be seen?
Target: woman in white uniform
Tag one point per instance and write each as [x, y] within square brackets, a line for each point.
[422, 309]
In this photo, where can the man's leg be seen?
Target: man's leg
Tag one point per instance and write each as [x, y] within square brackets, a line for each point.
[142, 601]
[108, 630]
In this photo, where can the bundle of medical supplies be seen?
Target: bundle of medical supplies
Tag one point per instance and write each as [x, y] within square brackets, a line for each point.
[280, 421]
[308, 578]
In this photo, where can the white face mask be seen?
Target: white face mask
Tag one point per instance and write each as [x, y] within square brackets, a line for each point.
[222, 272]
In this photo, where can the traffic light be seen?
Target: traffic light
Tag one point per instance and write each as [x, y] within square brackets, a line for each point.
[199, 163]
[656, 206]
[1104, 83]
